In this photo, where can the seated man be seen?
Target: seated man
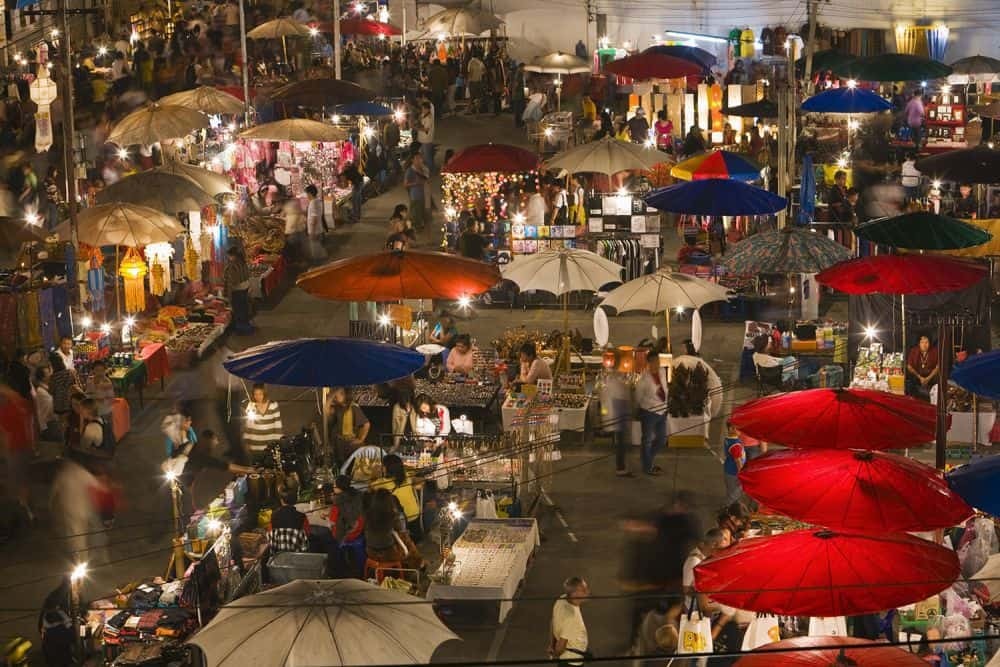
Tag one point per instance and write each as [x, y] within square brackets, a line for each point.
[289, 530]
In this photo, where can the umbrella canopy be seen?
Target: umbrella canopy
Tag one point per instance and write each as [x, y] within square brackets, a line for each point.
[562, 270]
[321, 92]
[608, 156]
[854, 490]
[295, 129]
[896, 67]
[787, 250]
[979, 374]
[846, 100]
[967, 165]
[322, 622]
[652, 65]
[989, 575]
[976, 483]
[457, 22]
[163, 191]
[278, 28]
[827, 59]
[816, 572]
[691, 53]
[367, 26]
[122, 224]
[364, 109]
[395, 275]
[325, 362]
[206, 99]
[156, 122]
[558, 62]
[826, 651]
[491, 158]
[991, 110]
[15, 231]
[662, 291]
[902, 274]
[715, 196]
[758, 109]
[838, 419]
[717, 164]
[923, 230]
[976, 66]
[209, 181]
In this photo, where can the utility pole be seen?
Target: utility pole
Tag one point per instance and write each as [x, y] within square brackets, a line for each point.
[246, 64]
[336, 38]
[62, 14]
[813, 9]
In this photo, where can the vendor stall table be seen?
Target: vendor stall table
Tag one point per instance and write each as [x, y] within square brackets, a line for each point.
[455, 395]
[571, 417]
[963, 427]
[491, 558]
[157, 363]
[132, 376]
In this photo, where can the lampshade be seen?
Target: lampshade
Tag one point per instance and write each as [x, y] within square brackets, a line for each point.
[626, 359]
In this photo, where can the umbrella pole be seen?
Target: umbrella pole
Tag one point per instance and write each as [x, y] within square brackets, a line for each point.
[325, 398]
[902, 316]
[118, 295]
[284, 47]
[666, 316]
[941, 439]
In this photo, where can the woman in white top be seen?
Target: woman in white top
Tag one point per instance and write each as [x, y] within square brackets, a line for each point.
[314, 223]
[533, 369]
[433, 420]
[534, 210]
[262, 426]
[763, 359]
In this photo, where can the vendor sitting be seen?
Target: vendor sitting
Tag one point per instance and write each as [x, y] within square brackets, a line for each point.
[399, 485]
[346, 519]
[763, 359]
[921, 368]
[289, 530]
[461, 359]
[533, 369]
[432, 420]
[348, 424]
[444, 332]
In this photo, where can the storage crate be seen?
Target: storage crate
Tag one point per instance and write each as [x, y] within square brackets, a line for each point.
[289, 566]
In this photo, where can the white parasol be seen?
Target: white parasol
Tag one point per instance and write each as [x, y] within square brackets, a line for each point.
[206, 100]
[156, 123]
[295, 129]
[608, 156]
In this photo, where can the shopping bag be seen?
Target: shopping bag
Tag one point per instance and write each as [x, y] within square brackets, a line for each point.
[695, 633]
[827, 626]
[763, 629]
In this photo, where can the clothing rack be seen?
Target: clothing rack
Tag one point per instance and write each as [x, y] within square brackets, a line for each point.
[619, 248]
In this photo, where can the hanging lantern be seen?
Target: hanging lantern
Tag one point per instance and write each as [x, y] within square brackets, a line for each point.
[626, 359]
[43, 93]
[192, 263]
[609, 359]
[158, 255]
[133, 270]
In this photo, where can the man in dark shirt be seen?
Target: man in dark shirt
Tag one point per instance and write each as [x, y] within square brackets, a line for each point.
[289, 527]
[638, 127]
[837, 199]
[966, 206]
[470, 243]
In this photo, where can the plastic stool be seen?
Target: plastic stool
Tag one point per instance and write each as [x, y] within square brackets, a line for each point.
[377, 568]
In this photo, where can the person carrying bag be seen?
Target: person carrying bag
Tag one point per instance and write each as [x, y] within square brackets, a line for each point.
[695, 633]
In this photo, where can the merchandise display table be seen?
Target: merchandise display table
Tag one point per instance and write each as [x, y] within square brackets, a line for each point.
[157, 363]
[491, 558]
[570, 408]
[132, 376]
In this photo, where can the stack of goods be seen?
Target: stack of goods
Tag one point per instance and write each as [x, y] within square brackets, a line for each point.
[157, 612]
[263, 235]
[877, 369]
[450, 394]
[92, 345]
[509, 344]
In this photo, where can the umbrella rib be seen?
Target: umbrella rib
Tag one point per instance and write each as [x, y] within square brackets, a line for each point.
[276, 618]
[333, 636]
[371, 619]
[298, 632]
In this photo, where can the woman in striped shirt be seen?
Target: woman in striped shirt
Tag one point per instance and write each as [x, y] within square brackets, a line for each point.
[262, 425]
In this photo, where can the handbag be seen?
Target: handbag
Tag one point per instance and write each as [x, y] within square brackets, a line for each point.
[827, 626]
[695, 633]
[763, 629]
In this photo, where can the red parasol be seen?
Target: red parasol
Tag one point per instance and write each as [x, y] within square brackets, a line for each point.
[902, 274]
[816, 572]
[395, 275]
[838, 419]
[824, 652]
[359, 26]
[484, 158]
[653, 65]
[854, 490]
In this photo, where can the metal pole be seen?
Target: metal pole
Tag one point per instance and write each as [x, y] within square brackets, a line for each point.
[404, 23]
[813, 7]
[69, 126]
[246, 64]
[336, 39]
[941, 434]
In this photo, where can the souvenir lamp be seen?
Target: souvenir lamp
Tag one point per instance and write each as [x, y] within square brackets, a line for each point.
[43, 92]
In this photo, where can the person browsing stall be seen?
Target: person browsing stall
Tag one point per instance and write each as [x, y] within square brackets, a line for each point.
[398, 484]
[921, 368]
[348, 424]
[432, 419]
[651, 397]
[289, 529]
[462, 358]
[178, 432]
[444, 332]
[65, 352]
[347, 520]
[262, 424]
[533, 369]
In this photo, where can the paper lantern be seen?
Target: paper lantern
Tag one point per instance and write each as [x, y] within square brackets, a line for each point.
[158, 255]
[133, 270]
[608, 359]
[626, 359]
[192, 263]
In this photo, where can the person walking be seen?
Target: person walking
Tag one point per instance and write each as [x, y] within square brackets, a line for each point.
[915, 117]
[357, 182]
[414, 181]
[425, 134]
[651, 397]
[568, 637]
[616, 417]
[236, 280]
[736, 458]
[314, 224]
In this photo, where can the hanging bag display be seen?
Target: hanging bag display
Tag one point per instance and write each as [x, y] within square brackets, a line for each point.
[763, 629]
[695, 634]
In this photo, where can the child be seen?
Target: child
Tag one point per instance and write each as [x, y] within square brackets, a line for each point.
[736, 458]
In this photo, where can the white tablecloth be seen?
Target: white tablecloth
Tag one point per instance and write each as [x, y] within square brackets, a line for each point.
[491, 558]
[962, 427]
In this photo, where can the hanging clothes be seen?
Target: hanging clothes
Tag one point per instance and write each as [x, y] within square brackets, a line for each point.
[47, 316]
[29, 325]
[8, 325]
[626, 252]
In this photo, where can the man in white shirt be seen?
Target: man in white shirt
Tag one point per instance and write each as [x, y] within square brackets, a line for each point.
[476, 72]
[569, 640]
[651, 397]
[909, 177]
[534, 210]
[712, 542]
[314, 223]
[425, 134]
[65, 351]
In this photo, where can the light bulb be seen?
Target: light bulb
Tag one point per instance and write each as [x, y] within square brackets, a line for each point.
[384, 320]
[214, 525]
[79, 572]
[464, 302]
[123, 153]
[32, 219]
[335, 118]
[870, 331]
[851, 83]
[106, 328]
[171, 476]
[87, 321]
[313, 32]
[130, 321]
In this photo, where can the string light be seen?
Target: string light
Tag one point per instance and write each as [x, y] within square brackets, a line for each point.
[106, 328]
[87, 321]
[79, 572]
[123, 153]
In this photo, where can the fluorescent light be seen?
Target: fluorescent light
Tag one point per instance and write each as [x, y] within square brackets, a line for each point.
[697, 37]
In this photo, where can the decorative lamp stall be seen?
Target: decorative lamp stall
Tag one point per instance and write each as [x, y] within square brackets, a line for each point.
[133, 272]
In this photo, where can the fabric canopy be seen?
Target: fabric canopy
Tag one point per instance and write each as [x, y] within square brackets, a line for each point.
[979, 374]
[562, 270]
[485, 158]
[325, 362]
[902, 274]
[608, 156]
[968, 165]
[717, 164]
[977, 482]
[652, 65]
[846, 100]
[715, 196]
[830, 652]
[787, 250]
[923, 230]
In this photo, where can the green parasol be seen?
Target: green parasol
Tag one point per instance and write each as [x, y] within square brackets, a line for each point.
[896, 67]
[788, 250]
[922, 230]
[827, 59]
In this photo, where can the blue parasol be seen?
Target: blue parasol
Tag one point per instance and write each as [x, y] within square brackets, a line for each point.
[846, 100]
[977, 483]
[324, 362]
[807, 192]
[979, 374]
[364, 109]
[715, 196]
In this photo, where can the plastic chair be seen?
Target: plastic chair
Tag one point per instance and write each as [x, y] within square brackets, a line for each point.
[376, 569]
[366, 452]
